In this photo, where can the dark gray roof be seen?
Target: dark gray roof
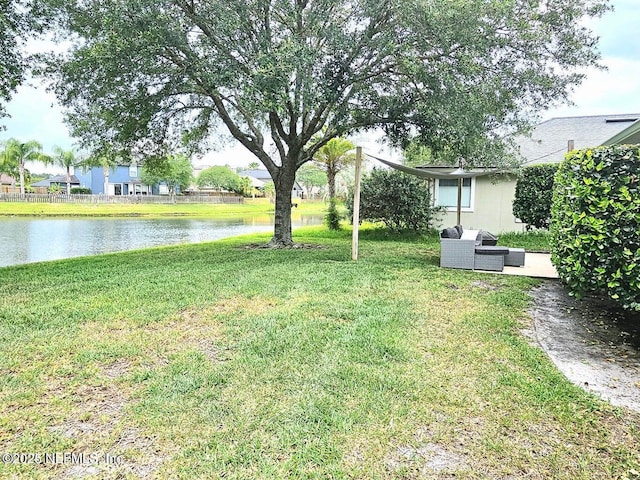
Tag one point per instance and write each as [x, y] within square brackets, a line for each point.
[260, 174]
[548, 141]
[264, 176]
[56, 179]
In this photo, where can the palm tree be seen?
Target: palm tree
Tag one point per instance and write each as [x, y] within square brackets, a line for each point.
[335, 155]
[7, 166]
[66, 159]
[17, 153]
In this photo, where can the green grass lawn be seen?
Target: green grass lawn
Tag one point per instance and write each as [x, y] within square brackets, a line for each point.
[249, 207]
[219, 361]
[534, 241]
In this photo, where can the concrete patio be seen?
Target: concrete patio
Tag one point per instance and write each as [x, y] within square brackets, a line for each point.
[537, 265]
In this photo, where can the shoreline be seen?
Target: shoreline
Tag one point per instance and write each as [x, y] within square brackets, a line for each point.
[195, 210]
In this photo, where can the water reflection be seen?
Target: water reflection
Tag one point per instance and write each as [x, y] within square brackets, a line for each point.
[26, 240]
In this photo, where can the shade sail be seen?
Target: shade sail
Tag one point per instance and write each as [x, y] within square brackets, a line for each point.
[435, 171]
[440, 172]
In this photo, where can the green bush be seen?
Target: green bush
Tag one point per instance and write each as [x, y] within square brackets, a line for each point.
[332, 218]
[80, 190]
[595, 223]
[534, 195]
[400, 201]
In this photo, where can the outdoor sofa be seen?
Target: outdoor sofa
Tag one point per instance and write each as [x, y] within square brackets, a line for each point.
[464, 249]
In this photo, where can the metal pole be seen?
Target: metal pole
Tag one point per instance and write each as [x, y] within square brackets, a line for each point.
[459, 200]
[356, 206]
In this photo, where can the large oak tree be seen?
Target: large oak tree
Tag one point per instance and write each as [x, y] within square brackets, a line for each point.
[12, 64]
[286, 76]
[19, 20]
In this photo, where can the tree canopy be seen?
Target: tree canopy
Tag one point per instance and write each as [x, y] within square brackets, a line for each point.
[16, 154]
[221, 178]
[12, 64]
[310, 176]
[66, 159]
[18, 20]
[286, 76]
[174, 170]
[334, 156]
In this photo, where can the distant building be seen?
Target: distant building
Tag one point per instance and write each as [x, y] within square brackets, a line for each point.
[7, 183]
[60, 181]
[264, 177]
[120, 180]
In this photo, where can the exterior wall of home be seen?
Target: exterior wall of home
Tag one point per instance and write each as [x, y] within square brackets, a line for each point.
[93, 178]
[492, 207]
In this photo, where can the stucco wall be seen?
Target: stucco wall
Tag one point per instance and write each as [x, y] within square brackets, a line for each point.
[492, 207]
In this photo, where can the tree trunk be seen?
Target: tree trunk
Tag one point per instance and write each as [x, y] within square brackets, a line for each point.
[331, 182]
[105, 173]
[21, 172]
[282, 226]
[68, 181]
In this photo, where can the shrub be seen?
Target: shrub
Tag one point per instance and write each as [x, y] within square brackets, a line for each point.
[534, 195]
[80, 190]
[595, 223]
[400, 201]
[332, 218]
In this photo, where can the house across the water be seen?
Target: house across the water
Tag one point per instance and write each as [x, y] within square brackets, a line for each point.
[57, 181]
[118, 180]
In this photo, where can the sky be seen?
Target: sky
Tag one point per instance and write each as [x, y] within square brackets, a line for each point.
[35, 113]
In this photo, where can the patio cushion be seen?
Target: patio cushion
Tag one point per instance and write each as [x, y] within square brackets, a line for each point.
[489, 239]
[491, 250]
[450, 233]
[460, 230]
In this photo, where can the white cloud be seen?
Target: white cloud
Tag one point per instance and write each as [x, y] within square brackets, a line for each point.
[616, 90]
[36, 115]
[233, 156]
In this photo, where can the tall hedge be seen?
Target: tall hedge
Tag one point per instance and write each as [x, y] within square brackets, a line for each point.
[595, 223]
[534, 195]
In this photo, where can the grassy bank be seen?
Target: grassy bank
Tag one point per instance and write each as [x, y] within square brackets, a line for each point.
[215, 360]
[250, 207]
[534, 241]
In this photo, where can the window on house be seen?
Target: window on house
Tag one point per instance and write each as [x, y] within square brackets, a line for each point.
[447, 192]
[133, 170]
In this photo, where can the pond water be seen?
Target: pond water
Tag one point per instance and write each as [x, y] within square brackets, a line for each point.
[26, 240]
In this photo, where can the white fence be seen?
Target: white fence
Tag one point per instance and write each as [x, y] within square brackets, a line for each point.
[126, 199]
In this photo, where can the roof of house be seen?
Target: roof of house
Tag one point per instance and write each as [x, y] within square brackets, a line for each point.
[6, 179]
[260, 174]
[56, 179]
[549, 140]
[254, 181]
[263, 176]
[629, 136]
